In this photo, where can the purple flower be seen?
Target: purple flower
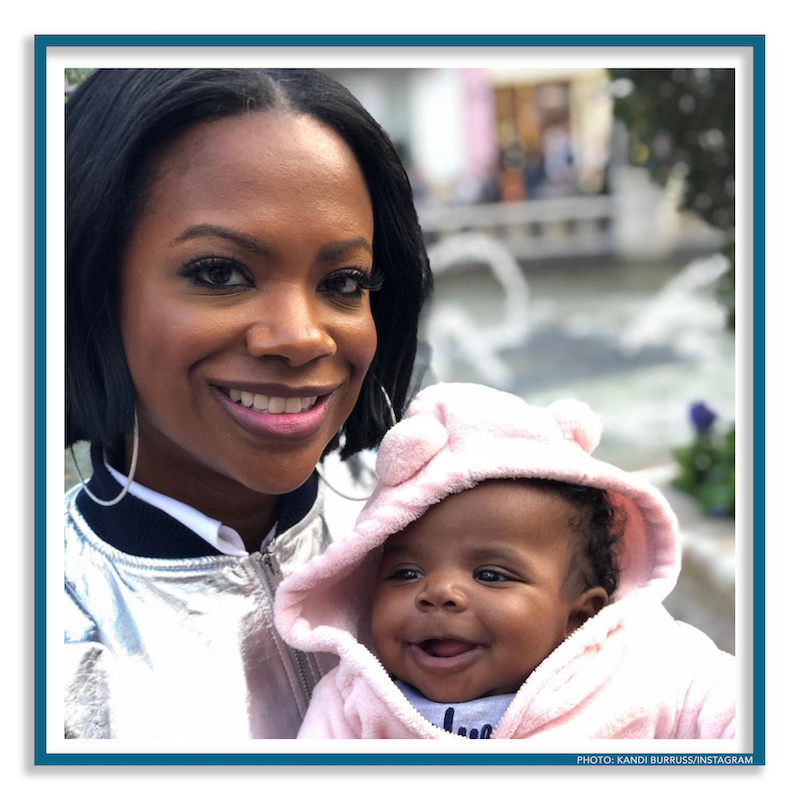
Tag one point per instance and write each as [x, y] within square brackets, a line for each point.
[702, 417]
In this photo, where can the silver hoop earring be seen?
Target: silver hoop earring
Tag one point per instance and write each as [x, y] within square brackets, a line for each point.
[394, 422]
[335, 490]
[388, 404]
[134, 459]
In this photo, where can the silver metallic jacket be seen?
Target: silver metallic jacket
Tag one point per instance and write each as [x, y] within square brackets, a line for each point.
[185, 649]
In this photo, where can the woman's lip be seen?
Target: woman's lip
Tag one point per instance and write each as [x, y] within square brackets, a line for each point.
[429, 663]
[302, 425]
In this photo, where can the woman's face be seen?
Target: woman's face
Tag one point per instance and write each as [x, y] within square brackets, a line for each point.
[245, 311]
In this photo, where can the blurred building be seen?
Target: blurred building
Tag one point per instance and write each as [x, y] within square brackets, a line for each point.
[493, 134]
[531, 157]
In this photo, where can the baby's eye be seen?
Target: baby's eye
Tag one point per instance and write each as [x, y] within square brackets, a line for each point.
[405, 574]
[489, 576]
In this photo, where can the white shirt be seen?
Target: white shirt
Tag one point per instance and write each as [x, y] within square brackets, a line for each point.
[224, 538]
[474, 719]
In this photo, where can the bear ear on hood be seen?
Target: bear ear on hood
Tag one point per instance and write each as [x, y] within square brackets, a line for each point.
[577, 422]
[408, 447]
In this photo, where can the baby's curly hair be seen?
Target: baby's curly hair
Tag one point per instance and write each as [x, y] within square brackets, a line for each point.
[598, 530]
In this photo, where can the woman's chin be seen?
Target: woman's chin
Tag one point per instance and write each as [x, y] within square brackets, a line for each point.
[286, 478]
[270, 483]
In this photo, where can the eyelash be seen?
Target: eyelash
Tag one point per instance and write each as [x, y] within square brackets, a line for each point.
[194, 269]
[408, 573]
[404, 574]
[498, 579]
[365, 281]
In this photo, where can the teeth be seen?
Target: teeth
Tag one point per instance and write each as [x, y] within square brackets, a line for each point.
[271, 405]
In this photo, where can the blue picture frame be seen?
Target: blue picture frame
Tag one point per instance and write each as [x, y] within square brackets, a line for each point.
[754, 43]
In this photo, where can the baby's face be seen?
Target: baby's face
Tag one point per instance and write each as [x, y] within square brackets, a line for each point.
[469, 597]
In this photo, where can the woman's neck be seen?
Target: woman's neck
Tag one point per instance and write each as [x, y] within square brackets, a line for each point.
[251, 514]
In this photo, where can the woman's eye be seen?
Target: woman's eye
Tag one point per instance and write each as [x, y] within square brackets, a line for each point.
[216, 273]
[405, 574]
[350, 284]
[489, 576]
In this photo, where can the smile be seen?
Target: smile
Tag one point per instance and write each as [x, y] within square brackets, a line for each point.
[276, 416]
[445, 656]
[446, 648]
[271, 405]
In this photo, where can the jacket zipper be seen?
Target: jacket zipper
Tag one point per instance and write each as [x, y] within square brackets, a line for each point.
[271, 575]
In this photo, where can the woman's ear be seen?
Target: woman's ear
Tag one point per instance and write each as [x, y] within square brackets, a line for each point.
[586, 605]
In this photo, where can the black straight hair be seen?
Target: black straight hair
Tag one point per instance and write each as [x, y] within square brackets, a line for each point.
[117, 121]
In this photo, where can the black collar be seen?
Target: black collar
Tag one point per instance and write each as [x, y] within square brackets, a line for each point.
[137, 528]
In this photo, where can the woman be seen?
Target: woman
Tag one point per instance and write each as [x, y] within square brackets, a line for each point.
[245, 272]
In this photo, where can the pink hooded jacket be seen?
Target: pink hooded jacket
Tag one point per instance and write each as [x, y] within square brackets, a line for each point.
[629, 672]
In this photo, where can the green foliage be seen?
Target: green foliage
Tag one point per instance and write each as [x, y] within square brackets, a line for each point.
[708, 471]
[72, 78]
[684, 119]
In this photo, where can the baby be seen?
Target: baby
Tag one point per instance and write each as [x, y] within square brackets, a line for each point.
[502, 583]
[474, 595]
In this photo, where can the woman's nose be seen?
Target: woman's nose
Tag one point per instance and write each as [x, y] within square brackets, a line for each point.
[290, 326]
[441, 593]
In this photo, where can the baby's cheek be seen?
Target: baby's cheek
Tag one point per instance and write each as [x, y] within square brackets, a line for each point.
[378, 620]
[387, 626]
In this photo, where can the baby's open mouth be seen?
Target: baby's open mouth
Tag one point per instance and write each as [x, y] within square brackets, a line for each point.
[445, 648]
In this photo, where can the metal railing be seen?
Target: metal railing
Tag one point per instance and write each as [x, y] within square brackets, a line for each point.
[531, 229]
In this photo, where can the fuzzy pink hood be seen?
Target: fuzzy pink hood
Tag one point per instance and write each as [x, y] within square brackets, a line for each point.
[453, 437]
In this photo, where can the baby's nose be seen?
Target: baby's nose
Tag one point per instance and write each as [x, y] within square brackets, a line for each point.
[443, 593]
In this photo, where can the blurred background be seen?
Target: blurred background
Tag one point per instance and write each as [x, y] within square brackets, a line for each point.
[580, 229]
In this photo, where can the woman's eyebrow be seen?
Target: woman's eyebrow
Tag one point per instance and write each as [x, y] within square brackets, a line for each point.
[221, 232]
[328, 252]
[334, 250]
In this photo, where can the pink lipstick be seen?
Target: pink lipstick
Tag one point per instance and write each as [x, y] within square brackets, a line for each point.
[297, 423]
